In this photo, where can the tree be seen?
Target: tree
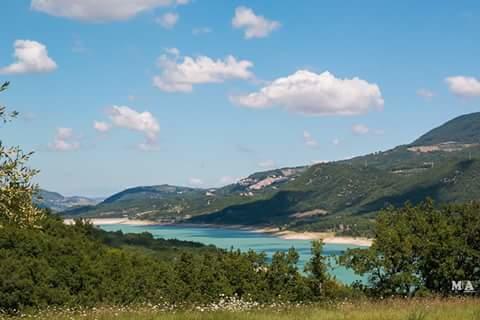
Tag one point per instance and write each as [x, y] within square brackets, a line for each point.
[16, 187]
[420, 249]
[4, 115]
[317, 269]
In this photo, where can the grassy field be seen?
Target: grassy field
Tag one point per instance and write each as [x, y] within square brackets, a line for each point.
[429, 309]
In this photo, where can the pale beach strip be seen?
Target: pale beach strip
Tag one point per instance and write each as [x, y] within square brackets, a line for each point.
[326, 237]
[110, 221]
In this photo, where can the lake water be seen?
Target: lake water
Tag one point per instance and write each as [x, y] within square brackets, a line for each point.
[243, 240]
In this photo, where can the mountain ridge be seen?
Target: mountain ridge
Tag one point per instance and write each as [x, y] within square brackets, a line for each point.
[57, 202]
[464, 129]
[326, 196]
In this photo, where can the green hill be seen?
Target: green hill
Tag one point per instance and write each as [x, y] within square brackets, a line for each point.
[330, 195]
[341, 196]
[57, 202]
[168, 203]
[464, 129]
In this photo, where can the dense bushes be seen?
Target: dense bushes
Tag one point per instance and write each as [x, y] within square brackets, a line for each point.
[56, 264]
[421, 249]
[417, 250]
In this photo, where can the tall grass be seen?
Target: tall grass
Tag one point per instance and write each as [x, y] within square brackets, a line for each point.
[418, 309]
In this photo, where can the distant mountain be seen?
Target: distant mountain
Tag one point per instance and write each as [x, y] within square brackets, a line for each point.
[443, 164]
[464, 130]
[345, 194]
[161, 192]
[328, 195]
[174, 203]
[57, 202]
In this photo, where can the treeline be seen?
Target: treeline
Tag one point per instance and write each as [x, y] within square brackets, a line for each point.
[344, 225]
[54, 264]
[420, 250]
[145, 242]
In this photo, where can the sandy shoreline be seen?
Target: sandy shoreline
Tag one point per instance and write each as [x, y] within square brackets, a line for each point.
[326, 237]
[107, 221]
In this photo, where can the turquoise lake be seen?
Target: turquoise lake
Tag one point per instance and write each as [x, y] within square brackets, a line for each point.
[243, 240]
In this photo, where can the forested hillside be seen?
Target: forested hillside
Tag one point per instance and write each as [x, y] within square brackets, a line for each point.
[341, 196]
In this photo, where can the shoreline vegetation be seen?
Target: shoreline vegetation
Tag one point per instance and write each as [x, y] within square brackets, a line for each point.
[326, 237]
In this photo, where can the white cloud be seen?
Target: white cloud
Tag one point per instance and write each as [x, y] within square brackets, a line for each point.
[101, 126]
[267, 164]
[168, 20]
[125, 117]
[360, 129]
[30, 56]
[309, 140]
[464, 86]
[254, 26]
[143, 122]
[316, 94]
[336, 141]
[99, 11]
[425, 93]
[64, 140]
[180, 76]
[195, 182]
[201, 30]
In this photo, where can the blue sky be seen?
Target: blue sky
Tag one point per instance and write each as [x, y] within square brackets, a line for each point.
[395, 70]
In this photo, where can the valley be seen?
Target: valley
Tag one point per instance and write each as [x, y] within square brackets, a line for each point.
[341, 196]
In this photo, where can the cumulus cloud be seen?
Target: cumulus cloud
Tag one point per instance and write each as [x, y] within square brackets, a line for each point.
[309, 140]
[101, 126]
[125, 117]
[168, 20]
[195, 182]
[267, 164]
[64, 140]
[143, 122]
[316, 94]
[254, 26]
[99, 11]
[425, 93]
[179, 75]
[462, 86]
[30, 56]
